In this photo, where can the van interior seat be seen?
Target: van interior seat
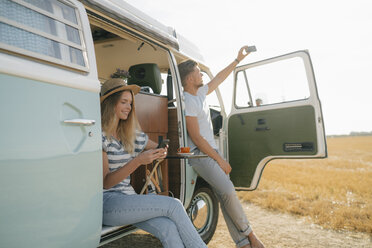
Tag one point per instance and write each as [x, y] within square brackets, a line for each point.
[146, 75]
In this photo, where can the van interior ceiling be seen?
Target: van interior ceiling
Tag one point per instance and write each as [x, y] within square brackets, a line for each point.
[118, 49]
[122, 50]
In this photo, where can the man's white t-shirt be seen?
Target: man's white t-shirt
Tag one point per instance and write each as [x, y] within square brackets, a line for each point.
[196, 106]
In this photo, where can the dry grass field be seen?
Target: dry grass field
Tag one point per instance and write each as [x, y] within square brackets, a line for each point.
[335, 193]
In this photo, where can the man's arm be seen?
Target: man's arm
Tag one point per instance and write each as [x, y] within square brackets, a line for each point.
[222, 75]
[194, 133]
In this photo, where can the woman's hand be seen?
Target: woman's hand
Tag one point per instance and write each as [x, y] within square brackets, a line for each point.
[148, 156]
[164, 151]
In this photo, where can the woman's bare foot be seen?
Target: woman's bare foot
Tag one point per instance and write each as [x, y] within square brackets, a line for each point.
[255, 242]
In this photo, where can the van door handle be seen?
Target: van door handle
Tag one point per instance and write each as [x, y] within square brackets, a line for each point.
[83, 122]
[262, 128]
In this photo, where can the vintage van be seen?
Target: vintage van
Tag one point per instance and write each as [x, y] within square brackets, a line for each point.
[54, 55]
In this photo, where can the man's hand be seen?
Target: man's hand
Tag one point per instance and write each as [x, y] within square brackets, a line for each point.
[222, 75]
[242, 53]
[225, 166]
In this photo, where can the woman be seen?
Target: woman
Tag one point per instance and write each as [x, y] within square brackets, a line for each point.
[123, 152]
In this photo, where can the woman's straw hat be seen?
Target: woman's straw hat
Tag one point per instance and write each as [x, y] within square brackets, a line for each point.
[114, 85]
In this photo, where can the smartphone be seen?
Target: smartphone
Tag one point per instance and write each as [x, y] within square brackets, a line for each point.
[163, 143]
[251, 49]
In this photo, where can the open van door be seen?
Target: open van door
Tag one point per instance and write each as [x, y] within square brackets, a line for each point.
[276, 113]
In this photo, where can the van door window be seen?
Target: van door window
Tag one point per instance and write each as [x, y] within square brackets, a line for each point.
[212, 99]
[287, 81]
[45, 29]
[242, 93]
[214, 107]
[168, 88]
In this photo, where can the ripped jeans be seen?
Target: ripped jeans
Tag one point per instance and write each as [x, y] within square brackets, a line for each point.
[162, 216]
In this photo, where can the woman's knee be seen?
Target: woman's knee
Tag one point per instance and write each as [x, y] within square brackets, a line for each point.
[175, 208]
[169, 200]
[176, 203]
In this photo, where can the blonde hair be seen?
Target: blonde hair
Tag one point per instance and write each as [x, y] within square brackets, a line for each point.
[126, 129]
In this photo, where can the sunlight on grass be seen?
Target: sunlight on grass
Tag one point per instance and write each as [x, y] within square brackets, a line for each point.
[335, 192]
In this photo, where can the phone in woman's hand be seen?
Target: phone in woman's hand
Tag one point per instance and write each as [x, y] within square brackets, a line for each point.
[163, 143]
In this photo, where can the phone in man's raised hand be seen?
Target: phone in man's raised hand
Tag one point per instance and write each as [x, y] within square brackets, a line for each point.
[251, 49]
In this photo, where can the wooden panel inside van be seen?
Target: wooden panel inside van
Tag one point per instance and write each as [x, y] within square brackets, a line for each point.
[152, 114]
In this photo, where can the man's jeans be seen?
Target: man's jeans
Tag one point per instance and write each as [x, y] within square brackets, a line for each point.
[232, 210]
[162, 216]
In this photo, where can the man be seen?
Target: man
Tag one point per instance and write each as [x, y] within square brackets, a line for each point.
[258, 102]
[214, 169]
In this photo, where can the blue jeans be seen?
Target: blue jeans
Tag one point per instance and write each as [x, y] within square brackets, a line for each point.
[162, 216]
[232, 210]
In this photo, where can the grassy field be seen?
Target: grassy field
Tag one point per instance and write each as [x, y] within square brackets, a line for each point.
[335, 192]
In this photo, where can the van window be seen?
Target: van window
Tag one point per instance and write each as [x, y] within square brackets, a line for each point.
[286, 82]
[165, 91]
[45, 29]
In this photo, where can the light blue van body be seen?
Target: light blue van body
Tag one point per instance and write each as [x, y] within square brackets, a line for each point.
[50, 171]
[46, 163]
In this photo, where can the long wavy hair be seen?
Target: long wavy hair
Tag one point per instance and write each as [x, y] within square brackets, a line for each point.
[126, 129]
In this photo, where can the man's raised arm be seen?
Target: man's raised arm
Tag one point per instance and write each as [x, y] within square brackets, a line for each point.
[222, 75]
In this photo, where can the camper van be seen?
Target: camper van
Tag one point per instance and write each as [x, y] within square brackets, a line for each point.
[54, 56]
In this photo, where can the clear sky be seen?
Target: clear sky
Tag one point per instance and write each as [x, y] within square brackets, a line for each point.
[337, 33]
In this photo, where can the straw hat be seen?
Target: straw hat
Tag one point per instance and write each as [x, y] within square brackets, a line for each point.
[114, 85]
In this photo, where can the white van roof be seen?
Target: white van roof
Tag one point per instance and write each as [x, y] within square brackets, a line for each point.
[125, 13]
